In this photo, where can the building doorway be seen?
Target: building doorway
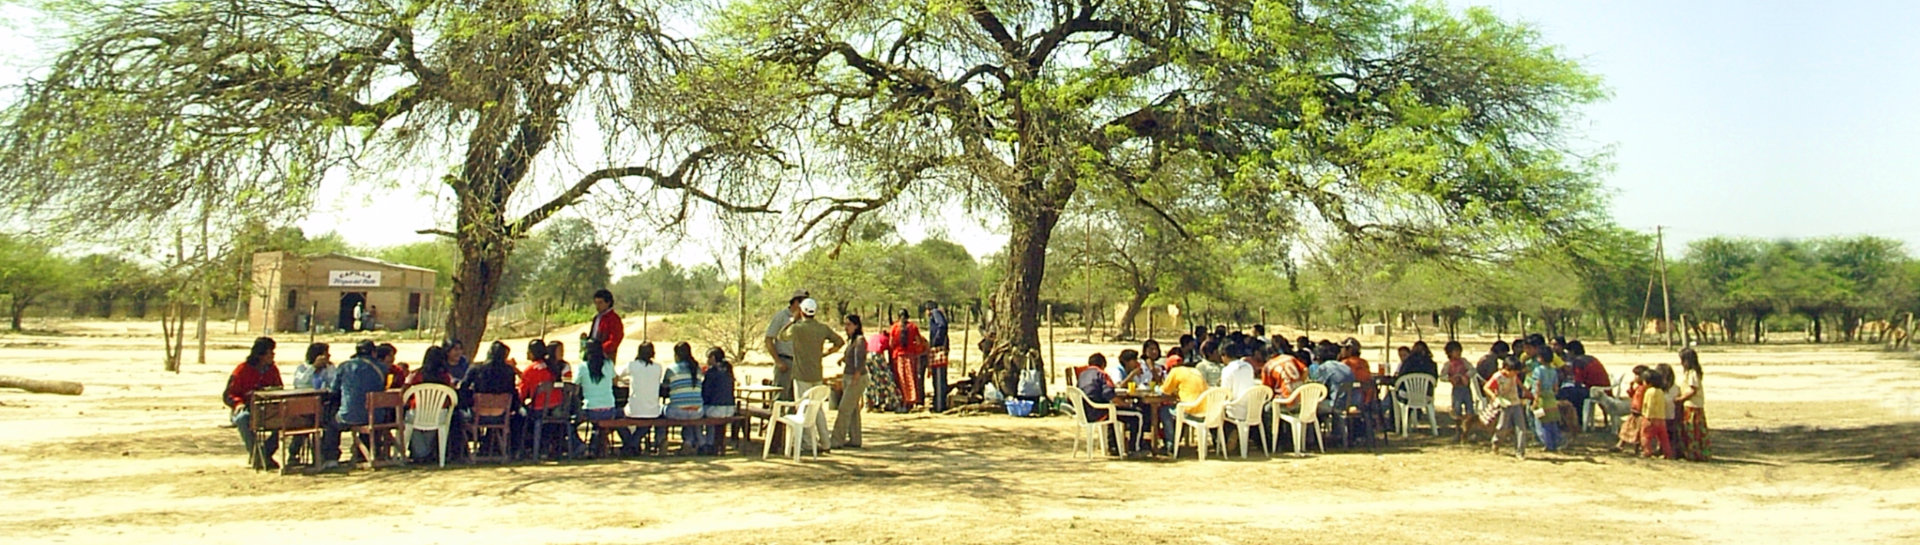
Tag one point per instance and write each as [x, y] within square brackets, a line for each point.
[350, 303]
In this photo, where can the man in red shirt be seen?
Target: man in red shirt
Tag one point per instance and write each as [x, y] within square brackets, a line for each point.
[257, 372]
[607, 330]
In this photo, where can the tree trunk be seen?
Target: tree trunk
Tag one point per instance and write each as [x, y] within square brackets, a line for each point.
[17, 310]
[483, 260]
[1016, 334]
[1134, 304]
[1817, 330]
[42, 386]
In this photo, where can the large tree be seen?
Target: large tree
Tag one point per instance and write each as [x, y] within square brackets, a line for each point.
[29, 272]
[1366, 119]
[153, 108]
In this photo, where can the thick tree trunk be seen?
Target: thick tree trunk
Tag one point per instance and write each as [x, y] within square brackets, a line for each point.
[1818, 334]
[483, 260]
[1134, 305]
[1016, 334]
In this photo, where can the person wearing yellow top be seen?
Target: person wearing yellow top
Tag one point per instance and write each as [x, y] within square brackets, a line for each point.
[1187, 383]
[1655, 409]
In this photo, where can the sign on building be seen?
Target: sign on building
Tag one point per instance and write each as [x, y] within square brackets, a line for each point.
[353, 279]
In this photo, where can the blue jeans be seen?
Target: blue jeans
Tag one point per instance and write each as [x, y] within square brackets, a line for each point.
[258, 456]
[634, 440]
[1462, 402]
[939, 391]
[690, 436]
[590, 415]
[711, 435]
[1548, 432]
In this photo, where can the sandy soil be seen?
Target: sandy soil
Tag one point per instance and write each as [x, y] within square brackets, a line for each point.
[1816, 445]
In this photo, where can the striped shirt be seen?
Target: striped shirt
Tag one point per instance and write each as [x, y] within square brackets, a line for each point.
[683, 386]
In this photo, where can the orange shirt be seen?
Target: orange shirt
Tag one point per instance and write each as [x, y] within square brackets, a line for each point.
[1361, 374]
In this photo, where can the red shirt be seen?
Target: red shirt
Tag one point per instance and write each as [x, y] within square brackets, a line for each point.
[531, 378]
[245, 379]
[608, 330]
[1282, 374]
[907, 340]
[1592, 374]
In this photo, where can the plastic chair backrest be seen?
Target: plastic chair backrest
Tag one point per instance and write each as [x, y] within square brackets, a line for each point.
[1310, 397]
[1077, 403]
[1594, 392]
[1215, 399]
[1415, 388]
[1252, 401]
[432, 405]
[816, 398]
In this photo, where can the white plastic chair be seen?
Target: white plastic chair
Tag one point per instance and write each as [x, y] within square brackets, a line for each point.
[1414, 393]
[803, 424]
[1213, 423]
[1252, 402]
[1591, 408]
[1309, 397]
[1095, 433]
[432, 410]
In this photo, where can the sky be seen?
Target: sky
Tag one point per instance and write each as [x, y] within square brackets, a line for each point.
[1761, 119]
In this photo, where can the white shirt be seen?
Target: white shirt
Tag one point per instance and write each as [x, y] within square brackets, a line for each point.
[1237, 378]
[643, 394]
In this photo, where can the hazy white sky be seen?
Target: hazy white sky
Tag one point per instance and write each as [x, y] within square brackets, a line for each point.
[1764, 119]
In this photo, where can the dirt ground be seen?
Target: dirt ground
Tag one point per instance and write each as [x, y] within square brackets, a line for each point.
[1815, 445]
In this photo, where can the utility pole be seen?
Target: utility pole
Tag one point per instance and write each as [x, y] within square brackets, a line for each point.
[206, 259]
[1666, 301]
[1087, 290]
[740, 348]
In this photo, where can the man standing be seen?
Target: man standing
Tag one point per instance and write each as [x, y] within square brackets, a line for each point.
[809, 339]
[937, 355]
[782, 351]
[607, 329]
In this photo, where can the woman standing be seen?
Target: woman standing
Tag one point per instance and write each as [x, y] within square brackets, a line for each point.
[1692, 420]
[253, 374]
[883, 392]
[853, 380]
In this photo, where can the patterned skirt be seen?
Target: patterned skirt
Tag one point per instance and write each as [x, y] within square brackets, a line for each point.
[1694, 444]
[883, 393]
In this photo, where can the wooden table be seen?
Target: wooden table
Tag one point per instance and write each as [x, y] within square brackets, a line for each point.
[756, 393]
[1150, 400]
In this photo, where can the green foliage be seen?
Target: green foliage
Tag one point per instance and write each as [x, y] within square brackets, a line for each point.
[441, 255]
[668, 288]
[863, 274]
[563, 264]
[29, 273]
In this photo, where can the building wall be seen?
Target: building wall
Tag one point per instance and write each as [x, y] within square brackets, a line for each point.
[288, 287]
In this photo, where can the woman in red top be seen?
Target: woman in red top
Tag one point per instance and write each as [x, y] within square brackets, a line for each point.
[908, 344]
[536, 373]
[255, 373]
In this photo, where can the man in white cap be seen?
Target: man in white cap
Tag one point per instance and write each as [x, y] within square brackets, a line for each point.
[782, 351]
[809, 339]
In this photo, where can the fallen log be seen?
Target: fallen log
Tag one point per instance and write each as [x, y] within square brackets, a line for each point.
[42, 386]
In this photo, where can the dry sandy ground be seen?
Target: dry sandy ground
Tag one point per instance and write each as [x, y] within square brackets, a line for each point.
[1817, 445]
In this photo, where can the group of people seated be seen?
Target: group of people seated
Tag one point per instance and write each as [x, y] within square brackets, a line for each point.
[681, 389]
[1539, 387]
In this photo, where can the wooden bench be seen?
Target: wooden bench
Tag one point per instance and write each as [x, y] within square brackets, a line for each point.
[736, 428]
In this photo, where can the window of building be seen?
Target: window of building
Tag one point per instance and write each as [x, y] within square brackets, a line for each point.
[413, 303]
[293, 299]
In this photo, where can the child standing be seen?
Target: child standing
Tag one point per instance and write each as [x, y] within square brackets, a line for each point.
[1655, 409]
[1460, 376]
[1630, 426]
[1509, 412]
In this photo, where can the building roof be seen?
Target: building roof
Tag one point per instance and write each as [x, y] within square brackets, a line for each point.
[372, 261]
